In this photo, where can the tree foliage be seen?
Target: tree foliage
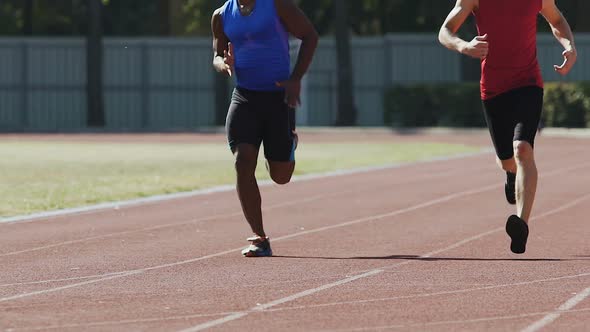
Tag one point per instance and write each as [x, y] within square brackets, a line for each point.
[192, 17]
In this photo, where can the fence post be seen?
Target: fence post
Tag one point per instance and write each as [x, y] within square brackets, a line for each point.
[388, 45]
[24, 88]
[145, 85]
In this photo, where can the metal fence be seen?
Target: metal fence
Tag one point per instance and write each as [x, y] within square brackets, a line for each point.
[167, 84]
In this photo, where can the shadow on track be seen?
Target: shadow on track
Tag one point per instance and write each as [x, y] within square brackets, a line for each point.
[435, 259]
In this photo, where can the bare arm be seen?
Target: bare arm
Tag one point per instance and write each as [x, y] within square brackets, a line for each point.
[447, 36]
[299, 25]
[563, 33]
[223, 60]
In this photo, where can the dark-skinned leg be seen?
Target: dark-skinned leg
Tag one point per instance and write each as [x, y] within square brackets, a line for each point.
[280, 171]
[246, 156]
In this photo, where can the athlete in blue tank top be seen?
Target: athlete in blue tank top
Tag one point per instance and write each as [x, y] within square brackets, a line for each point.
[251, 42]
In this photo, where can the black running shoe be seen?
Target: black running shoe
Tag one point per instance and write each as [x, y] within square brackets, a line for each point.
[518, 230]
[510, 188]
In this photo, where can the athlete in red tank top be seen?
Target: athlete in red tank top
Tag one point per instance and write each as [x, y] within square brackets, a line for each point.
[511, 87]
[511, 29]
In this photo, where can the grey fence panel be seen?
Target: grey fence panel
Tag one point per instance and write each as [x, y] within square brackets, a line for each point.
[550, 53]
[321, 98]
[10, 107]
[56, 80]
[122, 84]
[320, 102]
[421, 59]
[167, 84]
[369, 58]
[181, 82]
[57, 110]
[12, 89]
[11, 64]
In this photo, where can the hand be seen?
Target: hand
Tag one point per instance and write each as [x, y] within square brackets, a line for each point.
[228, 60]
[477, 48]
[292, 92]
[569, 59]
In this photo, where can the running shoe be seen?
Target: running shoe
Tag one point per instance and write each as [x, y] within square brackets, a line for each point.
[518, 230]
[260, 247]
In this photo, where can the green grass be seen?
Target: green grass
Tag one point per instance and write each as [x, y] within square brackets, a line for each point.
[45, 176]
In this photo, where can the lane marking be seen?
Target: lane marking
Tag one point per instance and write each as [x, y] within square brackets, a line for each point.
[184, 262]
[121, 322]
[234, 250]
[263, 307]
[551, 317]
[452, 292]
[60, 280]
[372, 272]
[452, 322]
[317, 230]
[155, 320]
[45, 291]
[162, 226]
[221, 189]
[215, 217]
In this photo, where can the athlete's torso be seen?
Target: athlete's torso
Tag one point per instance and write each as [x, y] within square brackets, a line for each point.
[511, 26]
[261, 45]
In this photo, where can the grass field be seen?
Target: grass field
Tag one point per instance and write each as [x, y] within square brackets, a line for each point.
[42, 176]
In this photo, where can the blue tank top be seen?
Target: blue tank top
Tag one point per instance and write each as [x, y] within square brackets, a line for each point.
[261, 45]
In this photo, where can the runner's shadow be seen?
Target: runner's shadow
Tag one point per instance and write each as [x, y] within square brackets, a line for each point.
[434, 259]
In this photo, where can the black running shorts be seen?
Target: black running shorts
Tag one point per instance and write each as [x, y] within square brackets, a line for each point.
[255, 117]
[514, 116]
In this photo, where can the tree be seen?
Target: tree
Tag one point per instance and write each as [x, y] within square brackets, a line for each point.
[197, 15]
[164, 17]
[28, 18]
[582, 9]
[94, 56]
[346, 106]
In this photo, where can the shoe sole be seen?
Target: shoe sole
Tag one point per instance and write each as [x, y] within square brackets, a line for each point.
[254, 254]
[518, 231]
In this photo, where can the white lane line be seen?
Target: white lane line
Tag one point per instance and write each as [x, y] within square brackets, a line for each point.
[213, 217]
[61, 280]
[263, 307]
[120, 322]
[394, 213]
[373, 272]
[193, 260]
[220, 189]
[451, 322]
[452, 292]
[45, 291]
[186, 317]
[182, 223]
[551, 317]
[537, 217]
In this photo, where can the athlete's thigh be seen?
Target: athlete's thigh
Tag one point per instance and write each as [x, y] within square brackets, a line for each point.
[279, 130]
[529, 108]
[501, 120]
[244, 124]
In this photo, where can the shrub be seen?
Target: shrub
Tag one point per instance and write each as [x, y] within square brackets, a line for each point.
[459, 105]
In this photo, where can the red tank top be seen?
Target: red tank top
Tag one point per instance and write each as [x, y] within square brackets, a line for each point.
[511, 26]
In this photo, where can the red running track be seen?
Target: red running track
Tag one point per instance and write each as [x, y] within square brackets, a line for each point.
[419, 247]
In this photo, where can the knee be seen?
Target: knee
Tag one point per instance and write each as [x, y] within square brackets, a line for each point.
[508, 165]
[280, 179]
[523, 151]
[245, 164]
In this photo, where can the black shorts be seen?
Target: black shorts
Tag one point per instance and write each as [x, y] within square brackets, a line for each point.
[514, 116]
[255, 117]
